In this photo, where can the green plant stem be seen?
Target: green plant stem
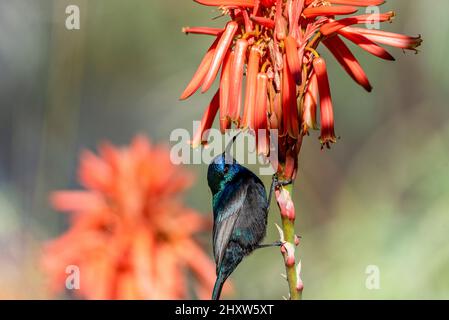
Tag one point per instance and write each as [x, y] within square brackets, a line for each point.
[288, 228]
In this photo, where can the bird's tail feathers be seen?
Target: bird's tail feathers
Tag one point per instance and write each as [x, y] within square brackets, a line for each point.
[218, 287]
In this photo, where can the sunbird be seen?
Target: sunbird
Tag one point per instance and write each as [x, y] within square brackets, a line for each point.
[240, 209]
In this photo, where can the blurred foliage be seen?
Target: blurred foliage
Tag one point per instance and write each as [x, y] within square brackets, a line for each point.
[378, 197]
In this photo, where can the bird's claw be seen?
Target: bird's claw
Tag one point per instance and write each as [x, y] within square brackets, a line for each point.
[274, 244]
[281, 183]
[278, 244]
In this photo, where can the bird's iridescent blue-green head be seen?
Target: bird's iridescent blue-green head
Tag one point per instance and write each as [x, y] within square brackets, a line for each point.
[221, 171]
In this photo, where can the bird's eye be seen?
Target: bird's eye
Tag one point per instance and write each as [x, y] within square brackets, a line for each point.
[226, 169]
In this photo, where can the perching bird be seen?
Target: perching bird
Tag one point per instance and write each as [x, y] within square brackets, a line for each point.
[240, 208]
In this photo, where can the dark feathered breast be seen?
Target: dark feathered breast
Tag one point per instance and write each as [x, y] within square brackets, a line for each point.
[240, 215]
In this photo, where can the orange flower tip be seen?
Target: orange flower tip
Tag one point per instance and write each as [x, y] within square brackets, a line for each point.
[415, 44]
[366, 85]
[237, 122]
[188, 92]
[196, 144]
[228, 3]
[326, 142]
[183, 96]
[202, 30]
[222, 48]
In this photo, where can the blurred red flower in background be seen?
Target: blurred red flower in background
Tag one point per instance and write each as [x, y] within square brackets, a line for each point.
[130, 234]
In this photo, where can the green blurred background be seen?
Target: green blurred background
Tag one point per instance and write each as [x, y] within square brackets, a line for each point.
[379, 197]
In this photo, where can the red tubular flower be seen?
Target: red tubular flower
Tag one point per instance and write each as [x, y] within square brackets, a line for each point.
[222, 47]
[294, 10]
[280, 22]
[334, 26]
[265, 22]
[289, 111]
[388, 38]
[207, 121]
[203, 30]
[260, 114]
[366, 44]
[225, 122]
[314, 12]
[310, 105]
[125, 235]
[294, 64]
[235, 94]
[358, 3]
[281, 39]
[277, 108]
[251, 88]
[327, 114]
[199, 75]
[347, 60]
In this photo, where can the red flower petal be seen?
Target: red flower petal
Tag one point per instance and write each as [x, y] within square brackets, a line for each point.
[251, 88]
[203, 30]
[222, 47]
[260, 114]
[225, 122]
[345, 57]
[235, 90]
[207, 121]
[77, 201]
[334, 26]
[366, 44]
[290, 110]
[277, 107]
[280, 22]
[314, 12]
[357, 3]
[201, 72]
[310, 104]
[265, 22]
[327, 114]
[388, 38]
[294, 64]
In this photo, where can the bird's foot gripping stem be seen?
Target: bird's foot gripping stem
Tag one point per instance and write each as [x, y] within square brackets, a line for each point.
[276, 184]
[275, 244]
[281, 183]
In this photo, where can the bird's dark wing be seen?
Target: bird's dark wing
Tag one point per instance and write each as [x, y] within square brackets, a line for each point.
[251, 225]
[226, 213]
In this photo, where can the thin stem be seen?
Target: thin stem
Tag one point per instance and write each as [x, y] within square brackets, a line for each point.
[288, 227]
